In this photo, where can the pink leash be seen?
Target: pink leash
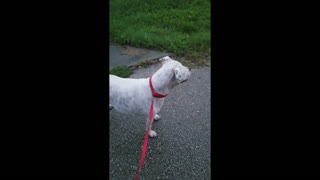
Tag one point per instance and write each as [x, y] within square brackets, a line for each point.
[146, 138]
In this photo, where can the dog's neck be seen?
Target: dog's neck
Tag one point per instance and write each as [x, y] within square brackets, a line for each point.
[163, 81]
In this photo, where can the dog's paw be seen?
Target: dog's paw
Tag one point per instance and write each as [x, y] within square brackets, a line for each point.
[152, 133]
[157, 117]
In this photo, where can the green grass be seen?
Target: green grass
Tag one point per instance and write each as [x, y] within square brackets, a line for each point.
[180, 26]
[121, 71]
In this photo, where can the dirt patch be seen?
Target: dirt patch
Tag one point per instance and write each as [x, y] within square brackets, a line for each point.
[144, 64]
[133, 51]
[195, 62]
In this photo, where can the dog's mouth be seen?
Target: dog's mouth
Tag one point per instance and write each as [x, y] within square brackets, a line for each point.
[183, 81]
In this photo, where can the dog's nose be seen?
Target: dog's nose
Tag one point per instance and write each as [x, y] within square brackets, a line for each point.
[189, 69]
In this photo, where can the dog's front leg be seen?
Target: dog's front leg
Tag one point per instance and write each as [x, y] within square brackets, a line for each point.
[157, 117]
[151, 132]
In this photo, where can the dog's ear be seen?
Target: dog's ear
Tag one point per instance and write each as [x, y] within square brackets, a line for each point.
[177, 73]
[165, 59]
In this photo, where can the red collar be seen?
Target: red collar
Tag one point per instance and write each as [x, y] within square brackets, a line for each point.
[154, 94]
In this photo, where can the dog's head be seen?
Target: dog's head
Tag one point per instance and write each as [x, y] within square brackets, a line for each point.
[181, 73]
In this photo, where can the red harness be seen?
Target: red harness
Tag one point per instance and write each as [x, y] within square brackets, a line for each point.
[145, 143]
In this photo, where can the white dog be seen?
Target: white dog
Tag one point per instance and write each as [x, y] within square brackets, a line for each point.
[133, 96]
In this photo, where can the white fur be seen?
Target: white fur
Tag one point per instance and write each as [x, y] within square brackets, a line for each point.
[157, 117]
[133, 96]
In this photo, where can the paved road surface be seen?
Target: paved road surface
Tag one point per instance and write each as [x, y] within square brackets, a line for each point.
[182, 148]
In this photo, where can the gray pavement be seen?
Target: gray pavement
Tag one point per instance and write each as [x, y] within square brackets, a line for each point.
[129, 55]
[182, 148]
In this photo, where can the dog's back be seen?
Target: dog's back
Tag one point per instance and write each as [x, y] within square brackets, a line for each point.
[129, 96]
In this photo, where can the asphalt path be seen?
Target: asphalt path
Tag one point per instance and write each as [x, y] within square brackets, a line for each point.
[182, 148]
